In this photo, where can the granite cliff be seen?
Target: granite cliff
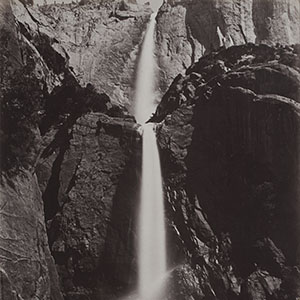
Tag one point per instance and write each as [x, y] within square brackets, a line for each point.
[229, 145]
[98, 40]
[228, 134]
[189, 28]
[54, 132]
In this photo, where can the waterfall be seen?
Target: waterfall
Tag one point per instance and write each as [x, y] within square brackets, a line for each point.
[152, 244]
[145, 79]
[151, 232]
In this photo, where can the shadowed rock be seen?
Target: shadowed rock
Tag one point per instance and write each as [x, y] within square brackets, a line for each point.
[229, 150]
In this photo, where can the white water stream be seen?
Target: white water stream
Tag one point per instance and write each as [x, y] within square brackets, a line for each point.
[152, 266]
[145, 78]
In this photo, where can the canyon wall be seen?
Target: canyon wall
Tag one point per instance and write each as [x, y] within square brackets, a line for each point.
[27, 269]
[99, 40]
[67, 157]
[229, 145]
[8, 36]
[89, 184]
[187, 29]
[228, 136]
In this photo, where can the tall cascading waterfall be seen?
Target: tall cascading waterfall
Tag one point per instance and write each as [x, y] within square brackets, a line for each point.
[152, 264]
[145, 79]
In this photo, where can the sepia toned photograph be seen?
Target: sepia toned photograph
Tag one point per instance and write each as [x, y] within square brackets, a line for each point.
[149, 149]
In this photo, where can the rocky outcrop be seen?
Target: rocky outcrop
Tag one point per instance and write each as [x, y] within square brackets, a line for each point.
[10, 50]
[48, 129]
[86, 166]
[229, 150]
[187, 29]
[27, 267]
[87, 173]
[98, 40]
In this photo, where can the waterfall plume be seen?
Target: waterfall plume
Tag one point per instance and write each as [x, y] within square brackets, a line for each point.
[152, 266]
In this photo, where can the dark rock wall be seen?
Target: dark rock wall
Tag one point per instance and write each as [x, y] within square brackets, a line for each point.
[89, 183]
[228, 140]
[86, 168]
[8, 37]
[229, 146]
[27, 267]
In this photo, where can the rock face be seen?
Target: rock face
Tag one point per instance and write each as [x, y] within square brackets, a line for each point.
[229, 147]
[228, 138]
[89, 184]
[100, 40]
[27, 267]
[187, 29]
[8, 36]
[82, 151]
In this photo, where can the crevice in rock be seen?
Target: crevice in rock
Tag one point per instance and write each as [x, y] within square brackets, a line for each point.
[51, 194]
[119, 267]
[73, 178]
[243, 33]
[30, 14]
[192, 43]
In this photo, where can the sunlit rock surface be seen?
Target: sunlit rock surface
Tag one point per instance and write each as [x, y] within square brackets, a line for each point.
[99, 40]
[189, 28]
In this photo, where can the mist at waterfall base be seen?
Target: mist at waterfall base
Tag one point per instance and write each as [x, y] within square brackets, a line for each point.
[151, 244]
